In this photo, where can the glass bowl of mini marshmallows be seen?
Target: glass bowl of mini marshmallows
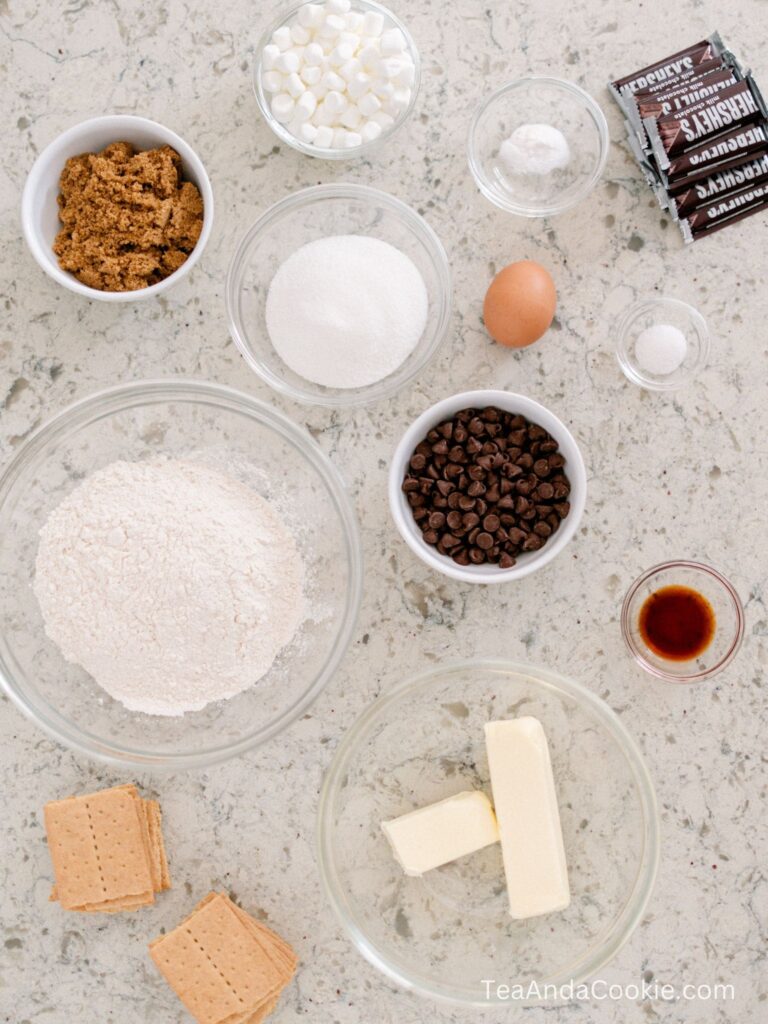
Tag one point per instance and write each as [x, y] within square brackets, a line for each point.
[335, 79]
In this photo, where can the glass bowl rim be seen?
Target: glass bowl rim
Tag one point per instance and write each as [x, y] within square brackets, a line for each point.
[634, 650]
[121, 397]
[475, 165]
[624, 323]
[642, 889]
[346, 397]
[331, 152]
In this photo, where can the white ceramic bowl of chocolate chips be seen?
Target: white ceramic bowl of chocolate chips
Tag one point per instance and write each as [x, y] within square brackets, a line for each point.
[487, 486]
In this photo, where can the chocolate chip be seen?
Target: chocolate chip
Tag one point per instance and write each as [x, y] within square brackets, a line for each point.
[485, 485]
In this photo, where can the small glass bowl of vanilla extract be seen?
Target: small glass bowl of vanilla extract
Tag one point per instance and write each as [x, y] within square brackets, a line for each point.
[682, 621]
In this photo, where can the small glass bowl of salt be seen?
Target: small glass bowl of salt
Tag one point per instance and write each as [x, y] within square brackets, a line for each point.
[661, 343]
[537, 146]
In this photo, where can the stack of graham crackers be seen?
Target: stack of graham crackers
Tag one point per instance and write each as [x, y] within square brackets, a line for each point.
[223, 965]
[107, 851]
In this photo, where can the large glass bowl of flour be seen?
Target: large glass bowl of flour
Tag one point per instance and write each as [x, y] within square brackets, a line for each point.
[310, 216]
[229, 432]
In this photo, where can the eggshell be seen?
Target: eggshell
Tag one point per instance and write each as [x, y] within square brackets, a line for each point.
[519, 304]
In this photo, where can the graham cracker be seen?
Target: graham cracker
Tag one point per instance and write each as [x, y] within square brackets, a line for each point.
[107, 851]
[224, 967]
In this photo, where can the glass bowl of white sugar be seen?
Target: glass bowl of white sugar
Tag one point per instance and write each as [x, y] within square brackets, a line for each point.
[181, 616]
[537, 146]
[339, 295]
[335, 79]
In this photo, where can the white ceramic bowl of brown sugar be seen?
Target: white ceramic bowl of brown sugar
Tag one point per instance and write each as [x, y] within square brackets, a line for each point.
[39, 204]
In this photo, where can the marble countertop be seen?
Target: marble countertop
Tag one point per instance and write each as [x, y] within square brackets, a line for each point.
[685, 475]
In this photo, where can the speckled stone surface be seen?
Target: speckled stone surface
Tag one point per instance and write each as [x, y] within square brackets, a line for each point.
[679, 476]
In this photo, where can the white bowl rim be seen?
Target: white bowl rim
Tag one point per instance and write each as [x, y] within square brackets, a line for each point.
[185, 151]
[340, 397]
[180, 388]
[647, 872]
[513, 402]
[331, 152]
[552, 209]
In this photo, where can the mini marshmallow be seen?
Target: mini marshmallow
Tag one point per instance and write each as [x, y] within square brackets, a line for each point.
[282, 107]
[308, 132]
[337, 6]
[354, 22]
[369, 56]
[324, 137]
[331, 27]
[299, 35]
[311, 15]
[368, 104]
[319, 91]
[383, 89]
[399, 101]
[281, 37]
[287, 63]
[392, 42]
[323, 117]
[351, 39]
[389, 67]
[370, 131]
[272, 81]
[351, 118]
[313, 54]
[339, 138]
[359, 85]
[333, 82]
[349, 70]
[294, 85]
[341, 54]
[269, 55]
[383, 119]
[305, 106]
[336, 101]
[373, 23]
[310, 75]
[405, 77]
[352, 140]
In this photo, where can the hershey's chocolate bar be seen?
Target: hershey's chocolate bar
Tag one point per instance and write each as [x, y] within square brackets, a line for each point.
[736, 106]
[665, 103]
[725, 151]
[708, 219]
[721, 186]
[663, 70]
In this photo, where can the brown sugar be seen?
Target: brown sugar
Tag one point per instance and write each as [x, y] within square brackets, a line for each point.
[128, 219]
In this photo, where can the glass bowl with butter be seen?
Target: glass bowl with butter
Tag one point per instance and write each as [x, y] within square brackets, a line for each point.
[449, 933]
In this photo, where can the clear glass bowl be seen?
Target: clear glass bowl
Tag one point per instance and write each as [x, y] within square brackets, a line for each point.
[725, 602]
[282, 132]
[316, 213]
[538, 100]
[649, 313]
[245, 438]
[445, 932]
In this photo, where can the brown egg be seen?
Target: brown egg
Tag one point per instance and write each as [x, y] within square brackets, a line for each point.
[519, 304]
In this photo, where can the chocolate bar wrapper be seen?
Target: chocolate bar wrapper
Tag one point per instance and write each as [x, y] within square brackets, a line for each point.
[725, 151]
[708, 219]
[644, 163]
[680, 83]
[721, 186]
[680, 98]
[734, 107]
[663, 71]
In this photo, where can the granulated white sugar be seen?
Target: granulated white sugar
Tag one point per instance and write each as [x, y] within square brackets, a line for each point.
[171, 583]
[346, 311]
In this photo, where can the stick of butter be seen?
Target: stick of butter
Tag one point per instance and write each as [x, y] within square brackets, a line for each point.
[442, 832]
[529, 822]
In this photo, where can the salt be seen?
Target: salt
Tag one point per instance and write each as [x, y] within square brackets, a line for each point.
[660, 349]
[535, 149]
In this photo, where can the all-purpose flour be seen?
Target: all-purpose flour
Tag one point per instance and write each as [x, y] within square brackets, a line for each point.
[172, 584]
